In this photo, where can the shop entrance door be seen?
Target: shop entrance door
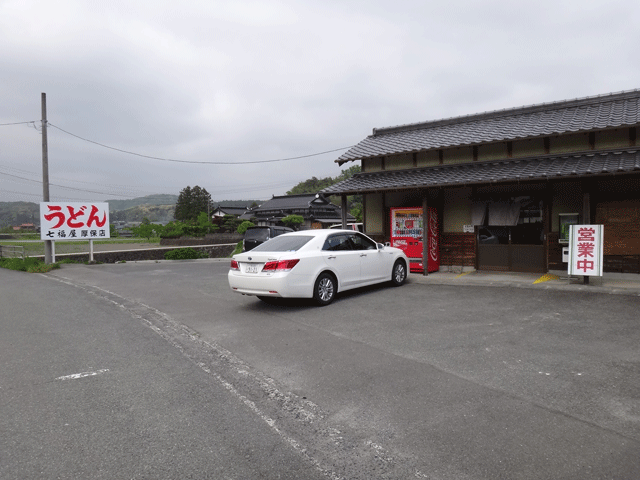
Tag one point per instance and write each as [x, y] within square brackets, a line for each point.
[517, 245]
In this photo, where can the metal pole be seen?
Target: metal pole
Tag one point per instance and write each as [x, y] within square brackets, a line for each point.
[48, 245]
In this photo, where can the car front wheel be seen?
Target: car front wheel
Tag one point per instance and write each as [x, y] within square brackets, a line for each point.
[325, 289]
[399, 273]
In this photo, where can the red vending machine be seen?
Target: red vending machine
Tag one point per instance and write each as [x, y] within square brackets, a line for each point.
[406, 234]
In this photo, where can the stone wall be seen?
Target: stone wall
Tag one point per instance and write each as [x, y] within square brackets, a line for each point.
[211, 239]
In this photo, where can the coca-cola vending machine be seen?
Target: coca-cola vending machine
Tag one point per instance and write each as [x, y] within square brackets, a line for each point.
[406, 234]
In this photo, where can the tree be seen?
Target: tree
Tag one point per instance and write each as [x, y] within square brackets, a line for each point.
[293, 221]
[204, 222]
[191, 202]
[145, 230]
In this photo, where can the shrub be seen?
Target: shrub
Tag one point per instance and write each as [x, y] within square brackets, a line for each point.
[172, 230]
[186, 253]
[242, 228]
[293, 221]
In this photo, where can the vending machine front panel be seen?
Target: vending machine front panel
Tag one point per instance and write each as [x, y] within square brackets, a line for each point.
[406, 234]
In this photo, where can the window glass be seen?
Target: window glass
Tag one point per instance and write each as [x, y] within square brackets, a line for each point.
[260, 234]
[283, 243]
[360, 242]
[336, 243]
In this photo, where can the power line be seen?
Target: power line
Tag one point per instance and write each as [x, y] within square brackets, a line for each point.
[114, 186]
[62, 186]
[193, 161]
[217, 189]
[18, 123]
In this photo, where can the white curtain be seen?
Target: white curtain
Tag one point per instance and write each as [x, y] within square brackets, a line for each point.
[478, 212]
[504, 213]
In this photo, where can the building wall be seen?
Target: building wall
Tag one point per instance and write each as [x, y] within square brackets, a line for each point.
[456, 209]
[528, 148]
[608, 139]
[371, 164]
[429, 158]
[577, 142]
[398, 162]
[457, 155]
[374, 214]
[492, 151]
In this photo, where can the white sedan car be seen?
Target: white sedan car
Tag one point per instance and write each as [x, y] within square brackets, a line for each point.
[315, 264]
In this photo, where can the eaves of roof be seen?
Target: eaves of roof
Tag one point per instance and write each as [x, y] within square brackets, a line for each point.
[548, 167]
[570, 116]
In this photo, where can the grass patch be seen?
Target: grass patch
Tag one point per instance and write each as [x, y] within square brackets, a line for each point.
[186, 253]
[31, 265]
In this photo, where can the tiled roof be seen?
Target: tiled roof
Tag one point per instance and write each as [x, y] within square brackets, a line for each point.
[289, 202]
[232, 210]
[548, 167]
[605, 111]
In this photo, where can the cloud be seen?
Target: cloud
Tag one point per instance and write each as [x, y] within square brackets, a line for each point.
[246, 81]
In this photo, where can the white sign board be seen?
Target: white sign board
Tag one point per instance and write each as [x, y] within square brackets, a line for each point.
[468, 229]
[74, 221]
[586, 250]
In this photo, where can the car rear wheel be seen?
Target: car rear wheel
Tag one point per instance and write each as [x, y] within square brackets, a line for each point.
[324, 290]
[399, 273]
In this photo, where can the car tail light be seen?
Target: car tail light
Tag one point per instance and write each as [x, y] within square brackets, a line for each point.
[234, 265]
[282, 265]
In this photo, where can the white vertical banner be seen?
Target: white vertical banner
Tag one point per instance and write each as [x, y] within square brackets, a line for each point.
[586, 250]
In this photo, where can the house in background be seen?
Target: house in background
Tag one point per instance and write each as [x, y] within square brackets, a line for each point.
[236, 211]
[25, 227]
[505, 183]
[317, 211]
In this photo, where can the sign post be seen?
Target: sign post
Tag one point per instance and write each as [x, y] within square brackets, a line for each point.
[586, 250]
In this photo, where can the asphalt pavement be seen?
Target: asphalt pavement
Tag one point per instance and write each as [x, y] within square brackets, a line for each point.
[471, 375]
[89, 392]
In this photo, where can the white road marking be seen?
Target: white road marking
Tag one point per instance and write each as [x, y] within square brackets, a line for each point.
[75, 376]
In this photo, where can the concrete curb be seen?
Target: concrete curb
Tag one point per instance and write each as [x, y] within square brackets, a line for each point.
[610, 283]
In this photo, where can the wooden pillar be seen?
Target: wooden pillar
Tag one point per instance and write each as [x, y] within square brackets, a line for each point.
[344, 210]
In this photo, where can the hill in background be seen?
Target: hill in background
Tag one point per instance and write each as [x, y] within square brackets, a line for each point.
[164, 199]
[157, 208]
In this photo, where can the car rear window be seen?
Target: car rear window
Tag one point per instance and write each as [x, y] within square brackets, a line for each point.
[283, 243]
[260, 234]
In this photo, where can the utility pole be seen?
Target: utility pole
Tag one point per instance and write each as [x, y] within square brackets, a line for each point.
[45, 173]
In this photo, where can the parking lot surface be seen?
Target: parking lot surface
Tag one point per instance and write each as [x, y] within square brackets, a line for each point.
[442, 380]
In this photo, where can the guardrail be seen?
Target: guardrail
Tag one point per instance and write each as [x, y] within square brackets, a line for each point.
[12, 251]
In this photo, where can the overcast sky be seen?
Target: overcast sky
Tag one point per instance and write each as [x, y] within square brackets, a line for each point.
[250, 81]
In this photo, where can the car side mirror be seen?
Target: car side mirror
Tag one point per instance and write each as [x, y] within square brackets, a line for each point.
[380, 246]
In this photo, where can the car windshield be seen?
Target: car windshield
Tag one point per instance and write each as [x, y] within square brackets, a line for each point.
[260, 234]
[283, 243]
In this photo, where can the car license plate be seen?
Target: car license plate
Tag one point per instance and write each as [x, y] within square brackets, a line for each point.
[252, 268]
